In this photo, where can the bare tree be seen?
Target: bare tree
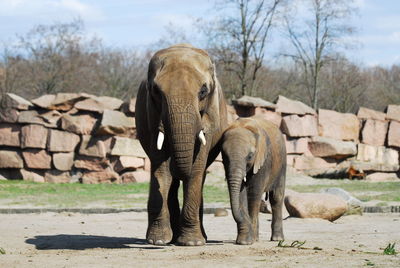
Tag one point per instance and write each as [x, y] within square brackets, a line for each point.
[238, 38]
[315, 37]
[119, 72]
[343, 86]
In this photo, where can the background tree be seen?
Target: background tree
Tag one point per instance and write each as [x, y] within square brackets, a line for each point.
[315, 36]
[238, 39]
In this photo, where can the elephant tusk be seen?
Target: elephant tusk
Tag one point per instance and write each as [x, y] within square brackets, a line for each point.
[244, 179]
[160, 140]
[202, 137]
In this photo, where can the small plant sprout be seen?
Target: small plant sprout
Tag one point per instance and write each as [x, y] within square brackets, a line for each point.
[390, 250]
[2, 251]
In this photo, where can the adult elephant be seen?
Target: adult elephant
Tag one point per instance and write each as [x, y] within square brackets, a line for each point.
[180, 116]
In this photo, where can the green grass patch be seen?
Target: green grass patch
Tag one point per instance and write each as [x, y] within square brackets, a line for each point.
[365, 191]
[21, 193]
[390, 250]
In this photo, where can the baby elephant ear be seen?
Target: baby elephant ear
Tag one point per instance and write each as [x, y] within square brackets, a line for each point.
[261, 148]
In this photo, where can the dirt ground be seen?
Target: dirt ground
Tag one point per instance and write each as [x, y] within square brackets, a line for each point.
[118, 240]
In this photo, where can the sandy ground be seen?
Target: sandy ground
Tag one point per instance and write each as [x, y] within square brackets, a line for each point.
[117, 240]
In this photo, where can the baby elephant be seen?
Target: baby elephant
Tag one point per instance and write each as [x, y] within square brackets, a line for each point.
[254, 157]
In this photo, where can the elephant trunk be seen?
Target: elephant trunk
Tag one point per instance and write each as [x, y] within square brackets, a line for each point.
[235, 179]
[183, 136]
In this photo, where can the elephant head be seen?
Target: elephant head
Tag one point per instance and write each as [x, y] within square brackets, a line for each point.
[244, 150]
[183, 89]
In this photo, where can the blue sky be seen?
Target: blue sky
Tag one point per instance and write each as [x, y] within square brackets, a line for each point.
[135, 23]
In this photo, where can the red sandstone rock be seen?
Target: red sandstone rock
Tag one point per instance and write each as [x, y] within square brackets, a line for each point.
[128, 162]
[93, 146]
[394, 134]
[268, 115]
[63, 161]
[339, 126]
[62, 141]
[9, 134]
[34, 136]
[393, 112]
[78, 124]
[327, 147]
[315, 205]
[92, 163]
[31, 176]
[104, 176]
[296, 126]
[374, 132]
[365, 113]
[10, 159]
[57, 176]
[288, 106]
[37, 158]
[116, 123]
[297, 146]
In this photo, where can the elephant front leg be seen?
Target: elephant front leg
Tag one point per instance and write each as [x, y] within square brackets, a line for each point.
[191, 233]
[245, 231]
[159, 230]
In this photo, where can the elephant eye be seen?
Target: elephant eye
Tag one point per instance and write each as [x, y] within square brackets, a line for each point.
[250, 156]
[203, 92]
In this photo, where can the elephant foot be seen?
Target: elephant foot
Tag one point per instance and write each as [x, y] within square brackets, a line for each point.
[159, 234]
[278, 236]
[191, 240]
[245, 239]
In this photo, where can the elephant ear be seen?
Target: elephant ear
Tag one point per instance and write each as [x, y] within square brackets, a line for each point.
[261, 146]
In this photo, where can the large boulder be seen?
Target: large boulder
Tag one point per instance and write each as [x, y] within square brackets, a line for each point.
[63, 161]
[128, 147]
[305, 162]
[16, 102]
[374, 132]
[103, 176]
[315, 205]
[94, 146]
[288, 106]
[37, 159]
[60, 101]
[116, 123]
[8, 115]
[328, 147]
[136, 176]
[296, 126]
[394, 134]
[10, 159]
[339, 126]
[47, 119]
[62, 141]
[365, 113]
[9, 134]
[248, 101]
[34, 136]
[393, 112]
[91, 163]
[379, 158]
[31, 176]
[78, 124]
[99, 104]
[351, 201]
[382, 177]
[57, 176]
[268, 115]
[297, 146]
[128, 163]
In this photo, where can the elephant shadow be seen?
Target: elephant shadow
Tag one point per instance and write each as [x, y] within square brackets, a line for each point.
[82, 242]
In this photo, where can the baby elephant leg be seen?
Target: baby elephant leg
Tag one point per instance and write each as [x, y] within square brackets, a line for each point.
[276, 198]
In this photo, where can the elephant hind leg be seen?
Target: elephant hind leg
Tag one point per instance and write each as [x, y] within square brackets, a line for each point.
[276, 197]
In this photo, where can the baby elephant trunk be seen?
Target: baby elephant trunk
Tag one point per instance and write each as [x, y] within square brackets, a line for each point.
[235, 179]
